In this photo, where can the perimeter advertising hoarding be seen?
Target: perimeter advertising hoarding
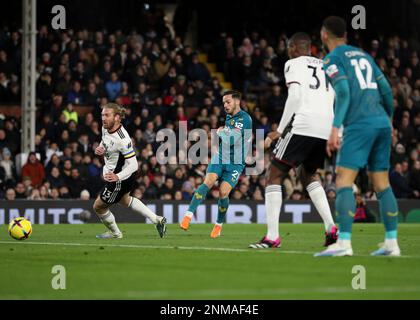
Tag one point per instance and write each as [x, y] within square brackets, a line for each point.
[68, 211]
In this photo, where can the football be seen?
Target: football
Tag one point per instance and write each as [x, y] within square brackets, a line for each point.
[20, 228]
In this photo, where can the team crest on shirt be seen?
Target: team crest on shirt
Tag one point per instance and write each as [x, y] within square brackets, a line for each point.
[232, 122]
[332, 71]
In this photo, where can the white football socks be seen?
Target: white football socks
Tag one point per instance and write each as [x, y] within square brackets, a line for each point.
[273, 201]
[391, 243]
[319, 199]
[344, 243]
[140, 207]
[108, 220]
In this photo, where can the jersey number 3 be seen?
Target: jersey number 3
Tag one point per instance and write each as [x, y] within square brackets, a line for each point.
[363, 64]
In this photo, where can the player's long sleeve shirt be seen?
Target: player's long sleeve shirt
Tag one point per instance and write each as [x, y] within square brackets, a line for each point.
[363, 96]
[235, 139]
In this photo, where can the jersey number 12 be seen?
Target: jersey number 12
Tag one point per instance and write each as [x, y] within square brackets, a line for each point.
[363, 64]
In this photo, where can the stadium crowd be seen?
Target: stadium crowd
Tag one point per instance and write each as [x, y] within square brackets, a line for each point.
[161, 82]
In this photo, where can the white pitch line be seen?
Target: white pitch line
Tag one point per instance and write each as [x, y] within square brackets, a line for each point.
[140, 246]
[156, 294]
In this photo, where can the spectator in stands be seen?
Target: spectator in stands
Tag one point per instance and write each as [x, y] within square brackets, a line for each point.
[20, 191]
[292, 183]
[296, 195]
[329, 183]
[414, 179]
[54, 194]
[113, 87]
[5, 142]
[92, 95]
[161, 66]
[75, 183]
[275, 103]
[54, 178]
[34, 170]
[9, 167]
[43, 192]
[363, 213]
[75, 95]
[64, 193]
[70, 114]
[69, 59]
[331, 194]
[258, 195]
[84, 195]
[197, 70]
[267, 76]
[44, 88]
[10, 194]
[399, 184]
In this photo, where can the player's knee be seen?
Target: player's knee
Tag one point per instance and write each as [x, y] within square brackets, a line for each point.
[275, 176]
[224, 193]
[380, 181]
[209, 181]
[308, 175]
[125, 201]
[342, 181]
[380, 186]
[224, 190]
[99, 206]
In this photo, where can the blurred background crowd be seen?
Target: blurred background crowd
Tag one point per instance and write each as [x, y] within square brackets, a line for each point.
[161, 80]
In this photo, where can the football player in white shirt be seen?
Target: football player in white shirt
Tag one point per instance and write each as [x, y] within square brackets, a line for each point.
[119, 172]
[304, 130]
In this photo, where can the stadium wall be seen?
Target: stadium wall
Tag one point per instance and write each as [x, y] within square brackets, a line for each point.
[68, 211]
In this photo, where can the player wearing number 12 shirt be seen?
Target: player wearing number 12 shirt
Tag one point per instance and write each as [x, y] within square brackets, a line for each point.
[364, 107]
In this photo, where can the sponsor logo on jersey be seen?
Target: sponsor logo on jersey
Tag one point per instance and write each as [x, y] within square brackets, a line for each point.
[332, 71]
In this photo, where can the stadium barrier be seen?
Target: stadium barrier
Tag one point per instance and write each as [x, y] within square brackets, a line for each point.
[69, 211]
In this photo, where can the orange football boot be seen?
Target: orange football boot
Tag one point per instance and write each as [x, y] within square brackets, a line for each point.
[185, 223]
[217, 229]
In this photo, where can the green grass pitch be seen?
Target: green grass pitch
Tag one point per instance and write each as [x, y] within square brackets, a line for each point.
[191, 265]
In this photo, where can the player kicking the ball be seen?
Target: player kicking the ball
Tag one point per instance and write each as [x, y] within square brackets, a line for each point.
[228, 164]
[119, 172]
[304, 129]
[364, 105]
